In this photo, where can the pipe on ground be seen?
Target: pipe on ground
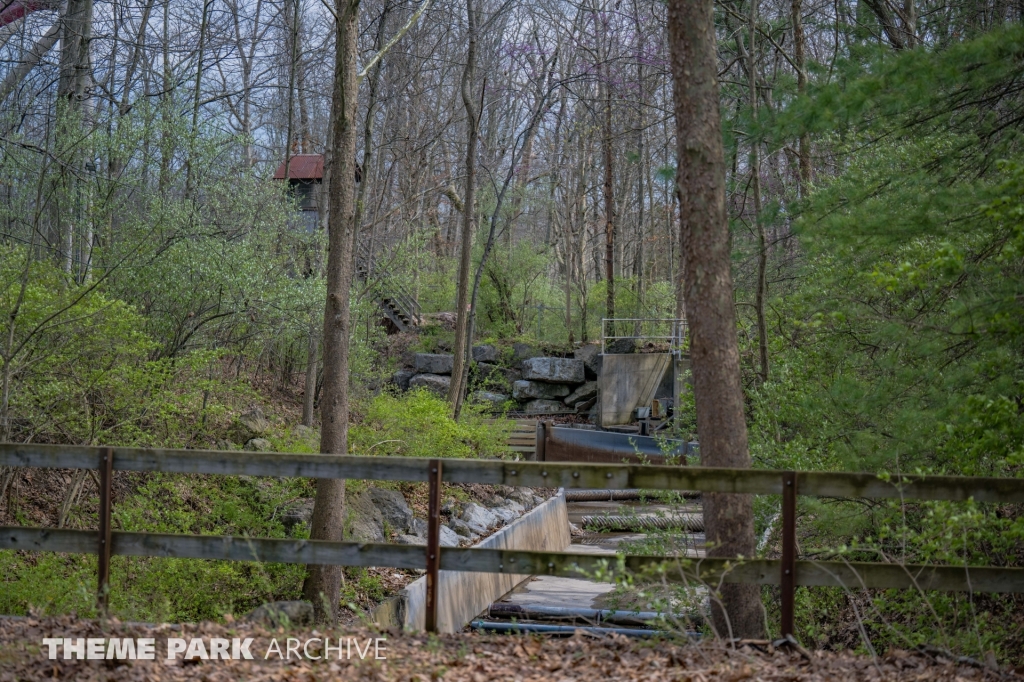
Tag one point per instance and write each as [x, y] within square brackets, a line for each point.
[538, 612]
[690, 522]
[562, 630]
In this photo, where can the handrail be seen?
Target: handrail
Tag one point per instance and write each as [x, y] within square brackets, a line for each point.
[536, 474]
[519, 562]
[788, 572]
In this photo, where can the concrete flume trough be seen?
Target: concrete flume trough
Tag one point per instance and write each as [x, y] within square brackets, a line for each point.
[463, 595]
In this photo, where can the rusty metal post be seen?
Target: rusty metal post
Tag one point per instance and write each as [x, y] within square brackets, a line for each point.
[788, 550]
[106, 471]
[542, 439]
[433, 541]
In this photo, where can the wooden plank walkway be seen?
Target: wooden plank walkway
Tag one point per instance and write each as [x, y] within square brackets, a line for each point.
[523, 438]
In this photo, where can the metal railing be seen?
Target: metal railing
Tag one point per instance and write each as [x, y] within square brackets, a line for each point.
[787, 572]
[675, 331]
[383, 286]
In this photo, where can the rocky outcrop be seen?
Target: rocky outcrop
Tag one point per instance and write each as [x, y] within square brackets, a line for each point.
[582, 393]
[432, 382]
[393, 508]
[495, 399]
[485, 353]
[590, 355]
[254, 421]
[433, 363]
[543, 406]
[479, 519]
[527, 390]
[259, 445]
[401, 378]
[554, 370]
[365, 522]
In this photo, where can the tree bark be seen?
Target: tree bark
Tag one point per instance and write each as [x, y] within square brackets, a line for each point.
[761, 291]
[323, 583]
[708, 290]
[609, 200]
[468, 213]
[804, 148]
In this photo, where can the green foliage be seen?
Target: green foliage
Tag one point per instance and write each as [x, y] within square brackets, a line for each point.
[418, 424]
[164, 589]
[901, 346]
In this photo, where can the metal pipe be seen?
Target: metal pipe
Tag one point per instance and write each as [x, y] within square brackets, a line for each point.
[690, 522]
[538, 612]
[564, 630]
[583, 495]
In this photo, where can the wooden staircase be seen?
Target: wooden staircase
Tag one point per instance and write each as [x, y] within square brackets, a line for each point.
[523, 438]
[401, 309]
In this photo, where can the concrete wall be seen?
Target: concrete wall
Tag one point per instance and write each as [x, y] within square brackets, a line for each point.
[463, 595]
[627, 382]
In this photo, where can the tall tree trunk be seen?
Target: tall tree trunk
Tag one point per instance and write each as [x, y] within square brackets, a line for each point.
[468, 213]
[609, 199]
[761, 291]
[323, 583]
[74, 87]
[196, 97]
[804, 148]
[371, 106]
[704, 236]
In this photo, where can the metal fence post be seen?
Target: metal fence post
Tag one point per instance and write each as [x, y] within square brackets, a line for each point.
[433, 542]
[106, 471]
[539, 451]
[788, 582]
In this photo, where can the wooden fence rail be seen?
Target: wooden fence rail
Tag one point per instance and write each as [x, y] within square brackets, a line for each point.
[787, 572]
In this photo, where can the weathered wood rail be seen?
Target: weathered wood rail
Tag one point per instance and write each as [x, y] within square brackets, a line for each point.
[787, 572]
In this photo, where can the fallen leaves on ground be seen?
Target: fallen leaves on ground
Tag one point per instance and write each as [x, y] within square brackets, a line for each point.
[461, 657]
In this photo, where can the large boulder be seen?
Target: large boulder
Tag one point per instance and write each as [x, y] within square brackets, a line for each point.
[554, 370]
[433, 363]
[393, 509]
[402, 377]
[479, 519]
[365, 522]
[432, 382]
[528, 390]
[591, 357]
[586, 405]
[254, 421]
[259, 445]
[304, 432]
[495, 399]
[582, 393]
[543, 406]
[486, 371]
[460, 527]
[449, 538]
[523, 496]
[485, 353]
